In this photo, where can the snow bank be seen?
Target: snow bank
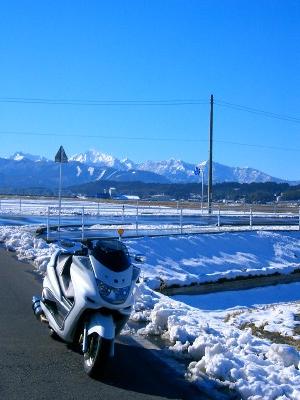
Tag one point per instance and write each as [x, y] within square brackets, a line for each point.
[254, 367]
[27, 246]
[186, 260]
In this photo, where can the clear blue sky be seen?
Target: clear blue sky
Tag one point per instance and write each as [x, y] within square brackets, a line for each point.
[244, 52]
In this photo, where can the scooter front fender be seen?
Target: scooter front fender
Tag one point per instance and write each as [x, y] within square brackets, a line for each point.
[103, 325]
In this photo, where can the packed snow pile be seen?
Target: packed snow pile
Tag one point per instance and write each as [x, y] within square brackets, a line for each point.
[207, 258]
[255, 368]
[27, 246]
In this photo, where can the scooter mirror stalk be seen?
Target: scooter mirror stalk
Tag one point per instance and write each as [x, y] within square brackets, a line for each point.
[89, 244]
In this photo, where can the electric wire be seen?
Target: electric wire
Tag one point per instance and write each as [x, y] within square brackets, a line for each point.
[257, 111]
[143, 102]
[153, 102]
[81, 102]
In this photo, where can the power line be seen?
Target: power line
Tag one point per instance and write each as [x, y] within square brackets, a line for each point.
[262, 146]
[141, 102]
[257, 111]
[81, 102]
[144, 138]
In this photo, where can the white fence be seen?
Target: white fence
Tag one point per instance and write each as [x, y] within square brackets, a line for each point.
[144, 221]
[140, 218]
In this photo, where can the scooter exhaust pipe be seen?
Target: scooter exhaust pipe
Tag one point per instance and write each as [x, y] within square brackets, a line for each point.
[36, 306]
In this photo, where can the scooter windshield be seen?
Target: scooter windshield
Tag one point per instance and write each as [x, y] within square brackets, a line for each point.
[112, 254]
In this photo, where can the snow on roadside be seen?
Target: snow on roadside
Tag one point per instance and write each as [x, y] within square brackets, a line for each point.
[27, 246]
[254, 367]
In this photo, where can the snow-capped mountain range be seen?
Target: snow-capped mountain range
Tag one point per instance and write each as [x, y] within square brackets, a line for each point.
[176, 171]
[94, 165]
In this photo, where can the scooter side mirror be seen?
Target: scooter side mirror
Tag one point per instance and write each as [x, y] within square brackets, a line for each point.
[139, 258]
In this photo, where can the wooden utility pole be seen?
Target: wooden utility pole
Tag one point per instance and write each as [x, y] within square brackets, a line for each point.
[209, 188]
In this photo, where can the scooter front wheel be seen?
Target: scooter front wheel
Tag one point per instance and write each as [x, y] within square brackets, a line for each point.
[97, 356]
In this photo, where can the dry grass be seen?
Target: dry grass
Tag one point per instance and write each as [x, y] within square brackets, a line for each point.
[274, 337]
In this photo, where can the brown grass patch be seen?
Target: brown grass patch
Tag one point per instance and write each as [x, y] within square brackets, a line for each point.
[274, 337]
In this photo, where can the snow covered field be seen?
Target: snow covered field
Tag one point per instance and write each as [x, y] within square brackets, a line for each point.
[73, 207]
[28, 206]
[207, 258]
[217, 343]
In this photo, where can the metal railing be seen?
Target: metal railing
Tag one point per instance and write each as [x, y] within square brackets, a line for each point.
[82, 219]
[141, 221]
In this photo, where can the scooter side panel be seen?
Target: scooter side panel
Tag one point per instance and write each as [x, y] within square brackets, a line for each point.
[86, 297]
[51, 282]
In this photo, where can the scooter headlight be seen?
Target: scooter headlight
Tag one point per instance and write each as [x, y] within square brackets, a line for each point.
[111, 294]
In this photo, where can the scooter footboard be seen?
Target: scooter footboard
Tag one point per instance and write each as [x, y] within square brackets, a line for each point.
[103, 325]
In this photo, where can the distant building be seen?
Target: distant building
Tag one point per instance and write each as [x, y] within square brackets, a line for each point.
[110, 194]
[111, 191]
[126, 197]
[161, 197]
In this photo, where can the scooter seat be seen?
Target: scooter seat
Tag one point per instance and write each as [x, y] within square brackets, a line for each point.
[64, 276]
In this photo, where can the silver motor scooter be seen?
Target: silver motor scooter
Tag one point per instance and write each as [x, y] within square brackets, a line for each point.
[87, 298]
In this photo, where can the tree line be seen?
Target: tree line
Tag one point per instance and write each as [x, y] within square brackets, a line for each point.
[226, 191]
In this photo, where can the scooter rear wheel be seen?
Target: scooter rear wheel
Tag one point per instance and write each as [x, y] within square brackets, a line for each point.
[97, 356]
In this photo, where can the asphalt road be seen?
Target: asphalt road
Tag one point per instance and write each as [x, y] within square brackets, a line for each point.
[34, 366]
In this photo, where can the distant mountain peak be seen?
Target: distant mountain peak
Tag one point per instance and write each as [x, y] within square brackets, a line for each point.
[95, 157]
[173, 169]
[129, 163]
[19, 156]
[92, 156]
[202, 164]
